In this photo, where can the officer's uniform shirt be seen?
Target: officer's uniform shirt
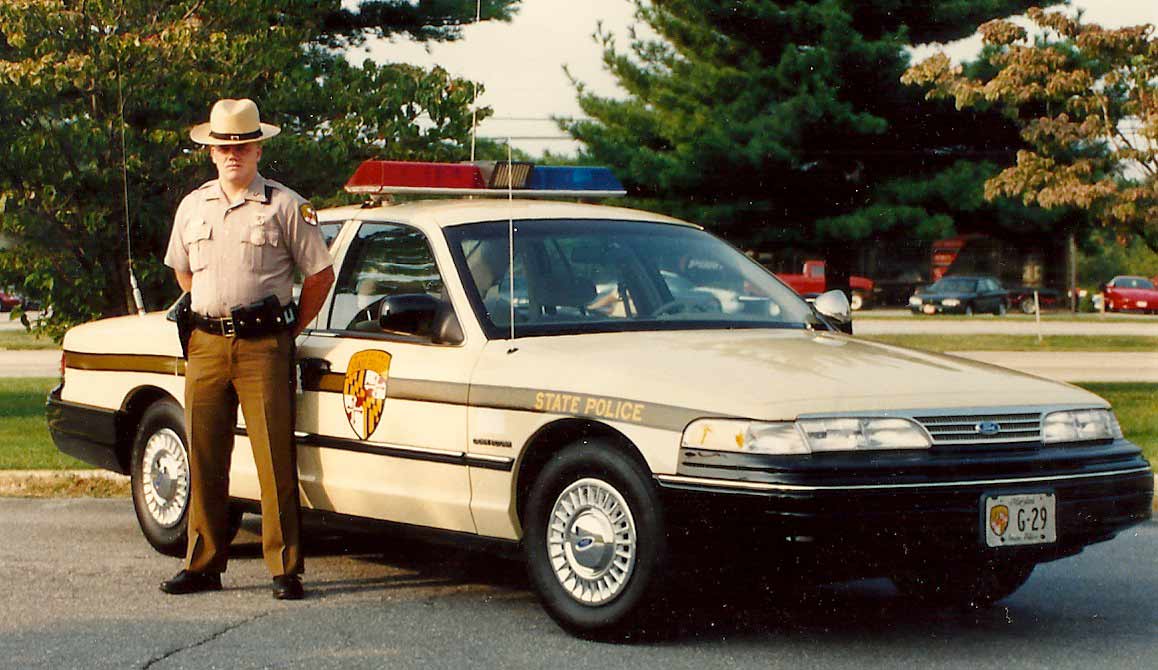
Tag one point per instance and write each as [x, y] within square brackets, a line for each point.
[241, 252]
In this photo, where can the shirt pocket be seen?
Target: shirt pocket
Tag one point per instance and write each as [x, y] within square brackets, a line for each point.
[260, 243]
[199, 232]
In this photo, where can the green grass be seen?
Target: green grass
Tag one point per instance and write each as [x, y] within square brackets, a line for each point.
[24, 440]
[22, 339]
[998, 342]
[1136, 405]
[1082, 317]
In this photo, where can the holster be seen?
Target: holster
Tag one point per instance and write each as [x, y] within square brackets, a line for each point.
[263, 317]
[181, 313]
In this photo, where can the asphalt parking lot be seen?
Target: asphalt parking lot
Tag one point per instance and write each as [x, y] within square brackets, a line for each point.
[80, 591]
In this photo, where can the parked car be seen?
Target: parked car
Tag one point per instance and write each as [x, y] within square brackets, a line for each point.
[1021, 297]
[812, 281]
[706, 412]
[961, 295]
[1126, 293]
[8, 301]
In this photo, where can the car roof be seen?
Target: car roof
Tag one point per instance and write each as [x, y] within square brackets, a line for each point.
[451, 212]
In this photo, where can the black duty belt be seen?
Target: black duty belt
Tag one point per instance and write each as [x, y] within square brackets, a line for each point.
[262, 318]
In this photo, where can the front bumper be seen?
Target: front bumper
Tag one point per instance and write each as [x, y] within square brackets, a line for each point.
[91, 434]
[905, 507]
[937, 308]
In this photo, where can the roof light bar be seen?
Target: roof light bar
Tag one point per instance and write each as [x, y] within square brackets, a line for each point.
[484, 178]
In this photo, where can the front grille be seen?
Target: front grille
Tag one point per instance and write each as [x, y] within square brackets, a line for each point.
[950, 430]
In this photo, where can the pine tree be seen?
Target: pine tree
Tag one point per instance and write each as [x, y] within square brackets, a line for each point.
[784, 122]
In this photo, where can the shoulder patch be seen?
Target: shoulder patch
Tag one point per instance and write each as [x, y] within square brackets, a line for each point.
[308, 213]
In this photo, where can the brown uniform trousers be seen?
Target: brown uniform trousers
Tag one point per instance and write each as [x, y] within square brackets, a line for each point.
[256, 372]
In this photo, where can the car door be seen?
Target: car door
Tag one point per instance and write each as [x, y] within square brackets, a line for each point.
[382, 416]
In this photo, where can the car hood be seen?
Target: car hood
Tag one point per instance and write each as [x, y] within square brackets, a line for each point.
[1135, 293]
[763, 374]
[150, 334]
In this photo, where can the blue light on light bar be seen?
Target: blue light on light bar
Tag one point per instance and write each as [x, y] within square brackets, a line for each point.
[568, 178]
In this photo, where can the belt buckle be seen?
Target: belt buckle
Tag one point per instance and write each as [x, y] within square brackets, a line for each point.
[227, 328]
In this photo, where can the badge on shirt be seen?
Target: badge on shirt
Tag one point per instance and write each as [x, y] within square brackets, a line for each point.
[309, 214]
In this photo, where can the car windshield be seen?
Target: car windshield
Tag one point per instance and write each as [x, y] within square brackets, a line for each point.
[954, 285]
[599, 276]
[1133, 282]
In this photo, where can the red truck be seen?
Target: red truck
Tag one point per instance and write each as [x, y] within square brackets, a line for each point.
[812, 283]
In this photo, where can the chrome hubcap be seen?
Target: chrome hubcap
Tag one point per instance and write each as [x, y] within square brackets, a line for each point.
[165, 477]
[591, 541]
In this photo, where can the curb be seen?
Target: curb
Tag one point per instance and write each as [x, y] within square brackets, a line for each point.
[12, 475]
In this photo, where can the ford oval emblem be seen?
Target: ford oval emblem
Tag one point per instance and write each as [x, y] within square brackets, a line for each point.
[988, 428]
[585, 542]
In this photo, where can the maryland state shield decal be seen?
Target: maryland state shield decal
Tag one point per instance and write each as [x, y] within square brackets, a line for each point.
[999, 519]
[364, 394]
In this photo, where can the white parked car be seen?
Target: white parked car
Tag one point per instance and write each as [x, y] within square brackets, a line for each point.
[723, 417]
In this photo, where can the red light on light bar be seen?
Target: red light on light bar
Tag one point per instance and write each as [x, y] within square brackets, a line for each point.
[373, 176]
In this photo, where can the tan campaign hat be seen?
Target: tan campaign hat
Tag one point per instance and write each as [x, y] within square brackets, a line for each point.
[233, 122]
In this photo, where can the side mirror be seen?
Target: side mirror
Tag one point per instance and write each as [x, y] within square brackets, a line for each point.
[422, 315]
[834, 306]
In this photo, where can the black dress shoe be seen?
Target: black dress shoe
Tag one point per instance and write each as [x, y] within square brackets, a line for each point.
[192, 582]
[288, 587]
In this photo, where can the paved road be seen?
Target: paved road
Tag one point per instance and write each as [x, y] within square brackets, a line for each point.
[80, 592]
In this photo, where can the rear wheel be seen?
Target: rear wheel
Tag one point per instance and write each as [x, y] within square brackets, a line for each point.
[1026, 305]
[857, 302]
[594, 540]
[160, 480]
[968, 310]
[1000, 311]
[976, 584]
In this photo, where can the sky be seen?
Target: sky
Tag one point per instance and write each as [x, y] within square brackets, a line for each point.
[521, 63]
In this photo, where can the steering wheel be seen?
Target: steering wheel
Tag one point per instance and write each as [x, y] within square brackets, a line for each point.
[366, 319]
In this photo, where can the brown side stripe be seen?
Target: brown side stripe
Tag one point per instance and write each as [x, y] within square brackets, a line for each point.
[666, 417]
[164, 365]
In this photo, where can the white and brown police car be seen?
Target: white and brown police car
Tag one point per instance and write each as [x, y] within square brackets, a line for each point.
[609, 390]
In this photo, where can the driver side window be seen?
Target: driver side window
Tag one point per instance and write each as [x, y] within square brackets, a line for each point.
[384, 259]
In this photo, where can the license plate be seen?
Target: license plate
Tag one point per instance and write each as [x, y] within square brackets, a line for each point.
[928, 309]
[1143, 303]
[1025, 518]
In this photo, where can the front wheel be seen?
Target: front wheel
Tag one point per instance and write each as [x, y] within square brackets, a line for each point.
[975, 585]
[594, 539]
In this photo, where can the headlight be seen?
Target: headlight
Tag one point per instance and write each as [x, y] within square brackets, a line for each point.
[950, 302]
[1079, 425]
[915, 301]
[805, 436]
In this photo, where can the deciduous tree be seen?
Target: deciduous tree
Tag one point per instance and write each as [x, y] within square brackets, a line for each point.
[1086, 101]
[97, 98]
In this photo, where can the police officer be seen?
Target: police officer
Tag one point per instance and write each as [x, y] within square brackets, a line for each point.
[235, 244]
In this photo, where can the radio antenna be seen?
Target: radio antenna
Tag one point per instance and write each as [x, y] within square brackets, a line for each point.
[138, 301]
[474, 103]
[511, 242]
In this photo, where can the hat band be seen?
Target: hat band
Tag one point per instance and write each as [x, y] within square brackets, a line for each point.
[235, 136]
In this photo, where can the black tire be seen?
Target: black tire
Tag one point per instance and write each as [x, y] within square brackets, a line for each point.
[626, 501]
[161, 487]
[1026, 305]
[970, 585]
[161, 498]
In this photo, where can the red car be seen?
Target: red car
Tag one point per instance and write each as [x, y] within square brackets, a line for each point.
[8, 301]
[1130, 294]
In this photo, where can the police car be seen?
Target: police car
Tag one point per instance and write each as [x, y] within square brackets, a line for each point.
[613, 391]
